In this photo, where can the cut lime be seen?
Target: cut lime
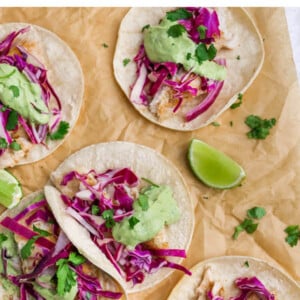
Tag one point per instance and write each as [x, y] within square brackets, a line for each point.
[10, 189]
[213, 167]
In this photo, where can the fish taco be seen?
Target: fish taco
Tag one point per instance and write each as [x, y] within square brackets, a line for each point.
[38, 261]
[129, 205]
[236, 278]
[182, 67]
[41, 92]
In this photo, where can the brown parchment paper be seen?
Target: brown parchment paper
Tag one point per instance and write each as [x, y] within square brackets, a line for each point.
[272, 165]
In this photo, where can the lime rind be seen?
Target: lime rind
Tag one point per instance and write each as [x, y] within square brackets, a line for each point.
[213, 167]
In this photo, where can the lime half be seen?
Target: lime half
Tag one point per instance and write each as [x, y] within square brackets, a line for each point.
[213, 167]
[10, 189]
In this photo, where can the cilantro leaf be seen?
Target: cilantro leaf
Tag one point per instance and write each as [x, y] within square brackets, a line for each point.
[216, 124]
[15, 146]
[15, 90]
[202, 31]
[12, 120]
[202, 53]
[133, 221]
[238, 57]
[95, 209]
[247, 225]
[66, 277]
[76, 259]
[26, 249]
[238, 103]
[104, 45]
[293, 235]
[212, 52]
[61, 131]
[189, 56]
[107, 215]
[260, 128]
[3, 143]
[41, 232]
[176, 30]
[231, 123]
[246, 263]
[178, 14]
[3, 238]
[145, 27]
[143, 202]
[256, 212]
[126, 61]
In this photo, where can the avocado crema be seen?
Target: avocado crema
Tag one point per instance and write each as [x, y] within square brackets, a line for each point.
[161, 47]
[161, 210]
[20, 94]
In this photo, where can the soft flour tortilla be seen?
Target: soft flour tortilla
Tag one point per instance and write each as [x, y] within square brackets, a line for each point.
[145, 162]
[227, 269]
[107, 282]
[247, 43]
[64, 74]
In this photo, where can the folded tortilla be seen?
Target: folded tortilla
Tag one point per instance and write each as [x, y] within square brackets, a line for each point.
[245, 43]
[65, 75]
[106, 281]
[223, 271]
[144, 162]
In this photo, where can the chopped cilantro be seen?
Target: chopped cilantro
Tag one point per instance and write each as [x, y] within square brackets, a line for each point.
[293, 235]
[202, 31]
[95, 209]
[3, 143]
[260, 128]
[256, 212]
[238, 103]
[133, 221]
[145, 27]
[61, 131]
[3, 238]
[104, 45]
[76, 259]
[231, 123]
[126, 61]
[189, 56]
[41, 232]
[216, 124]
[178, 14]
[176, 30]
[238, 57]
[107, 215]
[202, 53]
[150, 182]
[15, 146]
[66, 277]
[246, 263]
[12, 120]
[15, 90]
[26, 249]
[143, 202]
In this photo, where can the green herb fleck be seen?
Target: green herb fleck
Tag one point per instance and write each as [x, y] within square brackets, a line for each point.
[66, 277]
[238, 103]
[246, 264]
[145, 27]
[107, 215]
[15, 90]
[150, 182]
[178, 14]
[15, 146]
[256, 212]
[26, 249]
[95, 209]
[189, 56]
[216, 124]
[202, 53]
[176, 30]
[3, 238]
[12, 120]
[61, 131]
[293, 235]
[260, 128]
[231, 123]
[126, 61]
[41, 232]
[246, 225]
[202, 31]
[143, 202]
[238, 57]
[3, 143]
[76, 259]
[104, 45]
[133, 221]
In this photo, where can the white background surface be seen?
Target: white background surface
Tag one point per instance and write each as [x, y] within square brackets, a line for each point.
[293, 19]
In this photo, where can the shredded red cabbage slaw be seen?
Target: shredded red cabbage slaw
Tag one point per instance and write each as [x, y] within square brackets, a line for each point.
[89, 287]
[151, 77]
[114, 190]
[36, 72]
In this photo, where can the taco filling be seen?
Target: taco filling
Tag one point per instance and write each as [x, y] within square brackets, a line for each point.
[39, 262]
[30, 109]
[125, 217]
[177, 64]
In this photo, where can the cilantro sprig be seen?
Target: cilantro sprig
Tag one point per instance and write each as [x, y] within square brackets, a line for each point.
[237, 103]
[203, 53]
[178, 14]
[12, 120]
[108, 215]
[260, 128]
[61, 131]
[293, 235]
[248, 225]
[176, 30]
[133, 221]
[3, 143]
[66, 277]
